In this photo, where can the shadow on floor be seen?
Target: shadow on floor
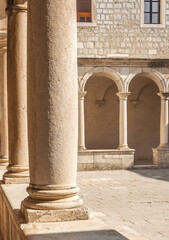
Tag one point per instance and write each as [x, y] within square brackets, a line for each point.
[88, 235]
[158, 174]
[143, 162]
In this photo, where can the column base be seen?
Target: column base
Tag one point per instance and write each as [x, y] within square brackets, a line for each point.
[16, 178]
[163, 147]
[3, 162]
[123, 147]
[13, 180]
[161, 156]
[82, 149]
[53, 205]
[61, 215]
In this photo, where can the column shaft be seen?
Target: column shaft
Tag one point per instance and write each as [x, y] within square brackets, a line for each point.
[164, 120]
[4, 111]
[123, 120]
[17, 92]
[81, 129]
[52, 109]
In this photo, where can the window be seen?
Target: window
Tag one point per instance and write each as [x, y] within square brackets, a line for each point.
[84, 10]
[151, 11]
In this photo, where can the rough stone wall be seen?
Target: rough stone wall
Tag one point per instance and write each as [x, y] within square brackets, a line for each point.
[118, 33]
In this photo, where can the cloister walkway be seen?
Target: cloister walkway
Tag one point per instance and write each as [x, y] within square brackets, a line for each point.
[125, 205]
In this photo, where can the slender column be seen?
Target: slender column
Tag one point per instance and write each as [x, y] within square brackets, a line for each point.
[164, 120]
[52, 112]
[123, 120]
[4, 111]
[81, 129]
[17, 92]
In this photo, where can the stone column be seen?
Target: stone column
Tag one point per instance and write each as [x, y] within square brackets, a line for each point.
[123, 120]
[4, 111]
[17, 92]
[164, 120]
[52, 112]
[81, 125]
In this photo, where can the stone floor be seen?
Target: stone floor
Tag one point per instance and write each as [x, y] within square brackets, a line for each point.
[132, 200]
[125, 205]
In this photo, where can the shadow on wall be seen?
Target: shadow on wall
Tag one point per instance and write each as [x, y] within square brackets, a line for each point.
[143, 117]
[88, 235]
[101, 113]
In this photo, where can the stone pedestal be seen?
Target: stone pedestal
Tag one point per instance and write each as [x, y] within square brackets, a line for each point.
[81, 125]
[161, 157]
[109, 159]
[17, 92]
[52, 112]
[4, 112]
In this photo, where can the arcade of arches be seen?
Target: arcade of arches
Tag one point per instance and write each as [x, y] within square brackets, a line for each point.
[103, 113]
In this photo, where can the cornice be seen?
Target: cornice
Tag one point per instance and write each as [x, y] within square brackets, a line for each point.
[123, 62]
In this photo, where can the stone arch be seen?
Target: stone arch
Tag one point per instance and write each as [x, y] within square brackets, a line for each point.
[153, 74]
[108, 72]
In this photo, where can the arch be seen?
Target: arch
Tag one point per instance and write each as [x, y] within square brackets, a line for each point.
[108, 72]
[153, 74]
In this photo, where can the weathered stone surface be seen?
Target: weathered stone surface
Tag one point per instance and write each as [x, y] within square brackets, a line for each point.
[161, 157]
[105, 159]
[47, 216]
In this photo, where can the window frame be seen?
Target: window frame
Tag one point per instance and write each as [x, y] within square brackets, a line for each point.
[162, 13]
[93, 16]
[150, 12]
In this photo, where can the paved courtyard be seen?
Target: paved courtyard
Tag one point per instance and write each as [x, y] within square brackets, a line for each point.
[133, 201]
[125, 205]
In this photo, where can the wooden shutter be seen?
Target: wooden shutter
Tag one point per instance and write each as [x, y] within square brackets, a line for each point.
[83, 5]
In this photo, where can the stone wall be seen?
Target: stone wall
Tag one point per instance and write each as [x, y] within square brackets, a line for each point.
[118, 32]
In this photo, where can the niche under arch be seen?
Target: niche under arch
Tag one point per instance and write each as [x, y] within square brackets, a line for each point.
[101, 113]
[143, 118]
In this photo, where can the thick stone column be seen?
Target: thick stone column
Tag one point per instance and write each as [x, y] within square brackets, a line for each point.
[52, 112]
[17, 92]
[164, 120]
[4, 111]
[123, 120]
[81, 129]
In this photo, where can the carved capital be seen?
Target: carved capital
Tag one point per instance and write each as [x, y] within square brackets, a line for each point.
[81, 94]
[123, 95]
[163, 95]
[16, 5]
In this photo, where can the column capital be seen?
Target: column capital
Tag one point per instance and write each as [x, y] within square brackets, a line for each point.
[16, 5]
[3, 49]
[123, 95]
[163, 95]
[82, 94]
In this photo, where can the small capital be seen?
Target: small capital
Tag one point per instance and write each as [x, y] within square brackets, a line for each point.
[123, 95]
[3, 49]
[81, 94]
[16, 5]
[163, 95]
